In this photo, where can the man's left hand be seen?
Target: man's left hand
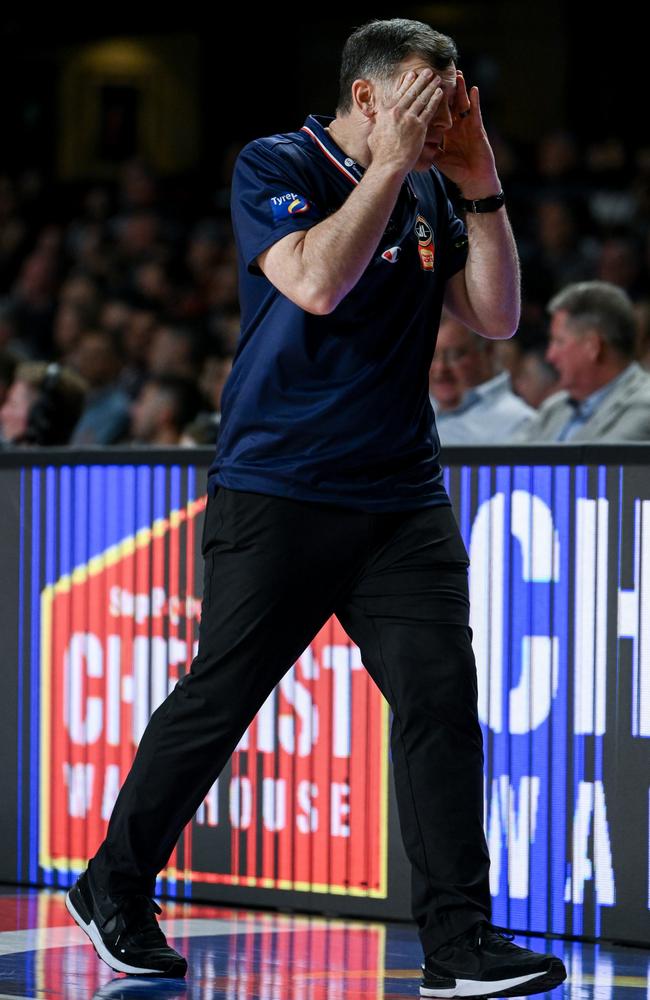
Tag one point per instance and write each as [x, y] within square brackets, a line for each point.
[467, 158]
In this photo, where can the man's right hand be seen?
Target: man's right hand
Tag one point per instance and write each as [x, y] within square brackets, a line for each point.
[315, 268]
[402, 119]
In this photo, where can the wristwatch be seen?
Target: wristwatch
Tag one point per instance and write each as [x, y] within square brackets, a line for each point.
[491, 204]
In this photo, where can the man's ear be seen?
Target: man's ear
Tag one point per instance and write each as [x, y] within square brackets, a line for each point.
[597, 345]
[364, 97]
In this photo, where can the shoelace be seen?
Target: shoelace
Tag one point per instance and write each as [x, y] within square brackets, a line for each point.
[482, 932]
[138, 914]
[477, 933]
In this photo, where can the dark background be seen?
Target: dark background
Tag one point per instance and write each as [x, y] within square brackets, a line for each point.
[539, 67]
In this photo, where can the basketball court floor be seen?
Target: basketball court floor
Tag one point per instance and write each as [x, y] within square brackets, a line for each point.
[245, 955]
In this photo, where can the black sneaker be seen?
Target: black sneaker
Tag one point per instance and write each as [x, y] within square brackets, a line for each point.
[124, 932]
[483, 962]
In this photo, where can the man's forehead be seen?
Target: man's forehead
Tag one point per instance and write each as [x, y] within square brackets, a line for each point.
[563, 325]
[560, 321]
[416, 63]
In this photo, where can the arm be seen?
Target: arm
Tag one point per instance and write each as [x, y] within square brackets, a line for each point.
[486, 295]
[317, 267]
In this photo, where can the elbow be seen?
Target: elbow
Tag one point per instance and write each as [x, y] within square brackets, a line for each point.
[319, 307]
[502, 332]
[505, 332]
[503, 329]
[318, 301]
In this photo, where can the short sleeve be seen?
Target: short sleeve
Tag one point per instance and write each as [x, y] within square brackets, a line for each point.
[456, 244]
[269, 199]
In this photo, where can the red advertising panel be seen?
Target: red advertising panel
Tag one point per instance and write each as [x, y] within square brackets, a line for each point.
[302, 805]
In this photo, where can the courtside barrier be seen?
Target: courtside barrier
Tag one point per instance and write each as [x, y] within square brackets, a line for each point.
[101, 576]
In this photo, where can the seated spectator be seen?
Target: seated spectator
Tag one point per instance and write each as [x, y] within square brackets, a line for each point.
[559, 254]
[214, 375]
[135, 324]
[106, 417]
[11, 338]
[7, 371]
[472, 400]
[43, 405]
[508, 353]
[80, 290]
[165, 405]
[70, 322]
[33, 296]
[115, 313]
[621, 263]
[604, 393]
[642, 351]
[534, 379]
[217, 366]
[174, 350]
[216, 369]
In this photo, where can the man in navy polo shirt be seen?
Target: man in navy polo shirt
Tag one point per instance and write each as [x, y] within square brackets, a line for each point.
[326, 495]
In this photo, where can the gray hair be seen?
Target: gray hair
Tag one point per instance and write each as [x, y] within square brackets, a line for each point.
[375, 50]
[601, 306]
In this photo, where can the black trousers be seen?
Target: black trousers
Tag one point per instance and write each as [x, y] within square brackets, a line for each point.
[276, 569]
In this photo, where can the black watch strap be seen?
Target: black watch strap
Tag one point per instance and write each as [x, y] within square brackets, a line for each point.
[491, 204]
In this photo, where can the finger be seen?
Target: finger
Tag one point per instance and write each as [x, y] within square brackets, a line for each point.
[418, 99]
[404, 84]
[406, 80]
[475, 112]
[411, 81]
[427, 105]
[462, 101]
[432, 104]
[422, 84]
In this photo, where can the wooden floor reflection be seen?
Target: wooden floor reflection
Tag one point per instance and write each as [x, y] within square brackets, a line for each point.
[244, 955]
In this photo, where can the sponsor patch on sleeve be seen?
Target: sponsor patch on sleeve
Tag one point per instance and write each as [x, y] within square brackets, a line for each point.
[290, 203]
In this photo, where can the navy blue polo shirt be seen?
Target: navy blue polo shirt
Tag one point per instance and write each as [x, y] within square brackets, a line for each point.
[335, 408]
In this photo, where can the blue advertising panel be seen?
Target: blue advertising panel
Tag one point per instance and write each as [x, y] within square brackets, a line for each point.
[103, 577]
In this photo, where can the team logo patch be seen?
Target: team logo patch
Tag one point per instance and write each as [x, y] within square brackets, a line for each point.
[426, 249]
[289, 203]
[423, 231]
[391, 254]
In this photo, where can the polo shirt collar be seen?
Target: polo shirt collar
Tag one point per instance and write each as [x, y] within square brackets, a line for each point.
[315, 127]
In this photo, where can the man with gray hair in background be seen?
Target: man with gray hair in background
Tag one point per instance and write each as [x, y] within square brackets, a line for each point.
[604, 393]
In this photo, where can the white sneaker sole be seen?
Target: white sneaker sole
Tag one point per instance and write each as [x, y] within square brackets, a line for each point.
[93, 933]
[475, 988]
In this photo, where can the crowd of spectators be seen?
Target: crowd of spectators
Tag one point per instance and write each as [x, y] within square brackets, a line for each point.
[119, 315]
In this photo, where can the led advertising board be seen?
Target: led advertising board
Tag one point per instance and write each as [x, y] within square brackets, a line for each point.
[103, 578]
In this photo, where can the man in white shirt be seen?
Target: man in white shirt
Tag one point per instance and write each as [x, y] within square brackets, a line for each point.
[473, 401]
